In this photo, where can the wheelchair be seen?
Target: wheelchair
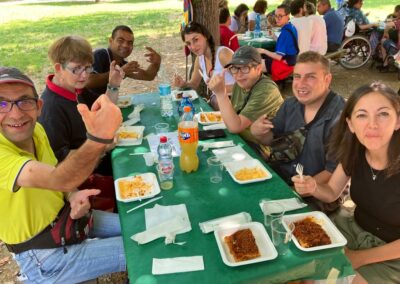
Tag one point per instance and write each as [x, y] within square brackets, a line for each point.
[353, 53]
[355, 50]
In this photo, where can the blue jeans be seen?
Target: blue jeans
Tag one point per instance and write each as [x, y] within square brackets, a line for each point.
[88, 260]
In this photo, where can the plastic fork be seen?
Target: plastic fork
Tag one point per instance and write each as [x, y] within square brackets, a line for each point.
[205, 115]
[299, 170]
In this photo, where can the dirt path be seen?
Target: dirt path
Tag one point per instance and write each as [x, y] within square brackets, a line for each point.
[344, 82]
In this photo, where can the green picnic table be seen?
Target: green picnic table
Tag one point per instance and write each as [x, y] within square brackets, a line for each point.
[205, 201]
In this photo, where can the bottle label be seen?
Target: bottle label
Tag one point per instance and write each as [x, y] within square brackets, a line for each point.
[188, 135]
[167, 169]
[165, 89]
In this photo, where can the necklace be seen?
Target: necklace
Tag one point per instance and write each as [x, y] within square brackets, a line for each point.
[374, 175]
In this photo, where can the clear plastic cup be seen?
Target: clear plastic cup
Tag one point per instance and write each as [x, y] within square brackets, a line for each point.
[280, 236]
[148, 159]
[215, 168]
[277, 212]
[161, 128]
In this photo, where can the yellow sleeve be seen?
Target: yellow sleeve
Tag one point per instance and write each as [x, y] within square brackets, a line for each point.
[11, 164]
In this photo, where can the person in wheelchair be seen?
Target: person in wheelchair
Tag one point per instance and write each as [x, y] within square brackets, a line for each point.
[363, 25]
[354, 12]
[390, 44]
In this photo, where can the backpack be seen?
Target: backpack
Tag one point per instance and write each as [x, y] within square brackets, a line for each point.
[350, 27]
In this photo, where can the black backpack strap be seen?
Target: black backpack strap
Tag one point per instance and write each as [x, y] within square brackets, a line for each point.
[321, 110]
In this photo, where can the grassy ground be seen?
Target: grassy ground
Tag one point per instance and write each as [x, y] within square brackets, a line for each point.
[25, 41]
[28, 28]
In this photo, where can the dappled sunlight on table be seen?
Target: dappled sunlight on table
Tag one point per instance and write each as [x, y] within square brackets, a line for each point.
[183, 194]
[146, 279]
[223, 191]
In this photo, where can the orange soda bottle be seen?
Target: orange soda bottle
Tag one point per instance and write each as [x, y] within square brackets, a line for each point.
[188, 132]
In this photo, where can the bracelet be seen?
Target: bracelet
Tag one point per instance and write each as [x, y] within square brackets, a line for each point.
[112, 88]
[99, 140]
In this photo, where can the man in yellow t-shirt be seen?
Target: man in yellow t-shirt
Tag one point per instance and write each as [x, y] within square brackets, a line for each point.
[32, 187]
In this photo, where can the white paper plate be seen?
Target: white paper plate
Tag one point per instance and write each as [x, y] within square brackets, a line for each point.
[130, 141]
[231, 154]
[192, 93]
[124, 101]
[264, 244]
[233, 167]
[205, 122]
[337, 239]
[149, 178]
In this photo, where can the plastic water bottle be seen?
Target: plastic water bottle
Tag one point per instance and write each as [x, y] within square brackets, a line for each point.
[186, 101]
[165, 163]
[257, 28]
[166, 100]
[188, 133]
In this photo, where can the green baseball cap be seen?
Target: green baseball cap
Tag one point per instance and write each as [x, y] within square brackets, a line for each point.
[245, 55]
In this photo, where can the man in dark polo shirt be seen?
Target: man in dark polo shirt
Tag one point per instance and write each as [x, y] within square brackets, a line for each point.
[120, 47]
[311, 90]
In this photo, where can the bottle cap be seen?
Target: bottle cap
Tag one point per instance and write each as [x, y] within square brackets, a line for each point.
[187, 109]
[185, 95]
[163, 139]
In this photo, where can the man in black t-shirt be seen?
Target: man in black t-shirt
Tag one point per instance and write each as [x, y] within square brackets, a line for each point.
[120, 47]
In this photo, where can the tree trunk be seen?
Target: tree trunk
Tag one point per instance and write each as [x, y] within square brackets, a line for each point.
[206, 12]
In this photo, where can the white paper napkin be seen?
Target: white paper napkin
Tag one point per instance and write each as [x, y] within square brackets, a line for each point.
[215, 126]
[159, 214]
[219, 144]
[225, 222]
[231, 154]
[177, 264]
[164, 221]
[289, 205]
[166, 229]
[154, 140]
[136, 111]
[131, 121]
[134, 116]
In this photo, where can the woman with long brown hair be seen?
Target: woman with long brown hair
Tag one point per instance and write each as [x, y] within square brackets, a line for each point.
[210, 59]
[366, 142]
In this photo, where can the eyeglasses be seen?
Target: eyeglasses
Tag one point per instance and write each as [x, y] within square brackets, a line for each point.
[244, 70]
[79, 69]
[23, 104]
[280, 16]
